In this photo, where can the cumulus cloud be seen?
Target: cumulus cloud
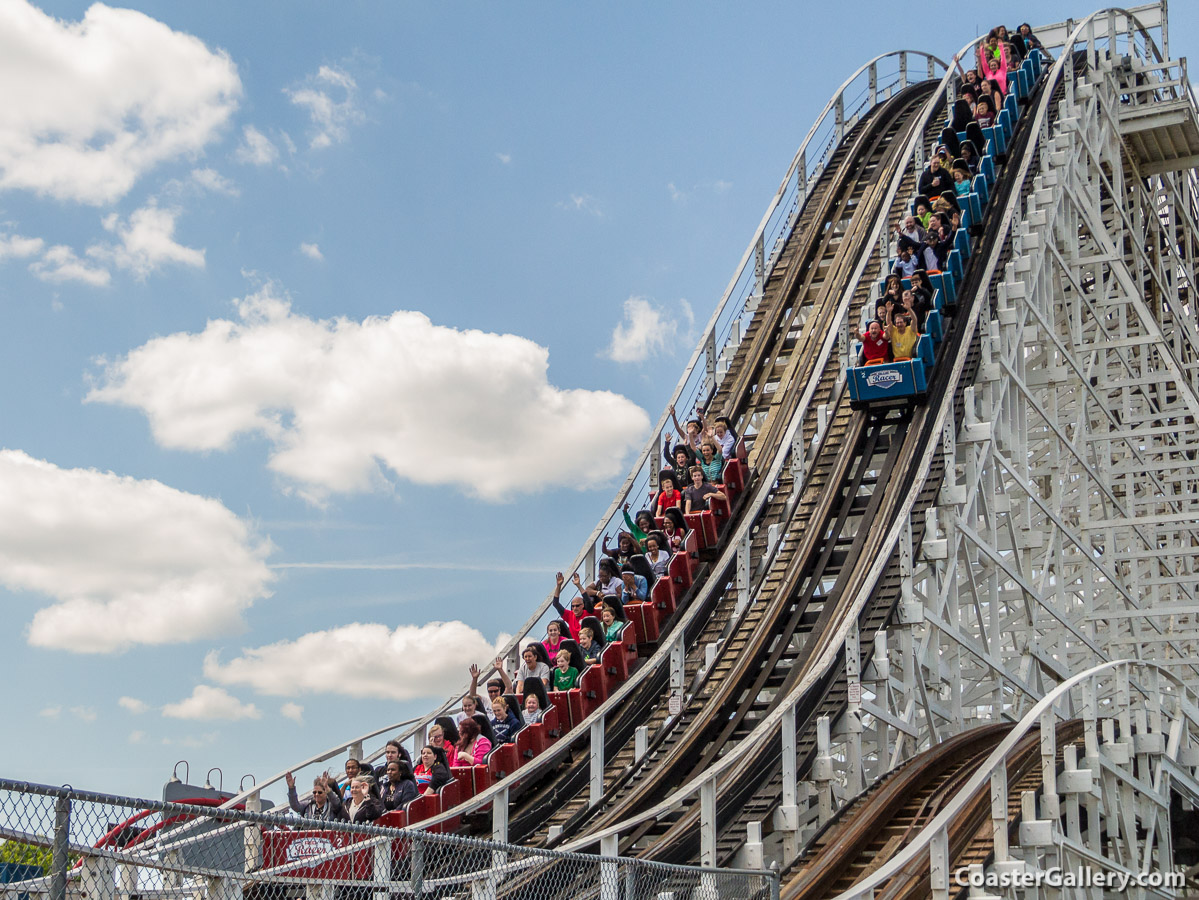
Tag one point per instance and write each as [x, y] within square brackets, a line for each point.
[256, 148]
[133, 705]
[90, 106]
[505, 158]
[50, 712]
[331, 100]
[345, 402]
[209, 703]
[60, 264]
[645, 329]
[136, 737]
[15, 246]
[127, 561]
[147, 242]
[293, 711]
[312, 251]
[83, 713]
[359, 660]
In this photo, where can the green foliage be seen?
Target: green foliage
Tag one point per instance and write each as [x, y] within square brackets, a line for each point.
[25, 854]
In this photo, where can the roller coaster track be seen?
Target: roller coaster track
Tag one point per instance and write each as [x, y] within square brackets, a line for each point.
[872, 468]
[778, 354]
[872, 829]
[755, 789]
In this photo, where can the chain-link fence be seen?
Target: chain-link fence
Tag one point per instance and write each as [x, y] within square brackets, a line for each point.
[75, 844]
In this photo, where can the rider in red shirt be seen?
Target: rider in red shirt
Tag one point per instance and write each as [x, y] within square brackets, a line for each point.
[875, 346]
[670, 495]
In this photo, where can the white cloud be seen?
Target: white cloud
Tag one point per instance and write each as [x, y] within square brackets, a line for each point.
[582, 203]
[312, 251]
[133, 705]
[60, 264]
[50, 712]
[675, 194]
[212, 180]
[645, 329]
[344, 402]
[505, 158]
[721, 187]
[83, 713]
[147, 242]
[330, 117]
[256, 148]
[211, 703]
[137, 737]
[359, 660]
[91, 106]
[126, 561]
[15, 246]
[293, 711]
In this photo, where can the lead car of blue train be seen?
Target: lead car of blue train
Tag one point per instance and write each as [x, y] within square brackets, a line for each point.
[907, 380]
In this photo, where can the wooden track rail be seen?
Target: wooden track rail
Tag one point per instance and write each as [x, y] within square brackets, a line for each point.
[757, 789]
[872, 829]
[803, 291]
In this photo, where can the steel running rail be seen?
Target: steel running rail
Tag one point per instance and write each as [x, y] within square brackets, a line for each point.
[873, 83]
[706, 782]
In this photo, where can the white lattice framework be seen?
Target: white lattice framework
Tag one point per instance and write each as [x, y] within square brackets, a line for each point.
[1067, 529]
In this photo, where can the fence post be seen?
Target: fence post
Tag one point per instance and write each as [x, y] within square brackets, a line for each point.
[224, 889]
[707, 823]
[59, 852]
[743, 573]
[597, 760]
[381, 868]
[609, 873]
[252, 835]
[418, 868]
[499, 817]
[678, 674]
[127, 879]
[98, 880]
[938, 873]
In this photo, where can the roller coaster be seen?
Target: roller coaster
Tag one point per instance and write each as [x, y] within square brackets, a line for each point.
[946, 620]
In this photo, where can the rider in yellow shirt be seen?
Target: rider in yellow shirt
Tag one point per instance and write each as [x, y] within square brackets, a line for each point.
[902, 334]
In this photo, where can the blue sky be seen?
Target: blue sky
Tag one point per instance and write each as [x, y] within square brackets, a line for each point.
[310, 380]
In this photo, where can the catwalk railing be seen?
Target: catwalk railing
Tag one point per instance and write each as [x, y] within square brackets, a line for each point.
[116, 848]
